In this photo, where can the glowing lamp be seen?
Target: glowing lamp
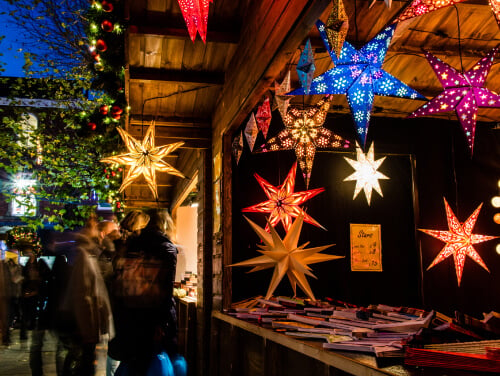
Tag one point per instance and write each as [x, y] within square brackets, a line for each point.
[195, 13]
[495, 202]
[359, 75]
[496, 218]
[144, 159]
[498, 248]
[463, 92]
[283, 203]
[459, 241]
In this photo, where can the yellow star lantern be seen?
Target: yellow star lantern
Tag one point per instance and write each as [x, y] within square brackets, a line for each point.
[459, 240]
[286, 257]
[366, 174]
[144, 158]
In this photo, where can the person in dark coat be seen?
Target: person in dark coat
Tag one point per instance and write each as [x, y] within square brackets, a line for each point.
[147, 325]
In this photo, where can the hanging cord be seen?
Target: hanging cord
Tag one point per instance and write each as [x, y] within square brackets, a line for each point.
[459, 38]
[356, 20]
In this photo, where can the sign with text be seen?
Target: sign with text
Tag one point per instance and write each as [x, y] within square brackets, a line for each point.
[366, 248]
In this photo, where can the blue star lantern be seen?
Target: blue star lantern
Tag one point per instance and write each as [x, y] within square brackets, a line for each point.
[306, 67]
[359, 75]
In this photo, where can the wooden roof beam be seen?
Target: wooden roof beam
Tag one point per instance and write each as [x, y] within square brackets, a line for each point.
[213, 36]
[184, 121]
[176, 76]
[193, 138]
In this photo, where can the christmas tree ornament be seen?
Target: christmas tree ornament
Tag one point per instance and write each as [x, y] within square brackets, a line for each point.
[263, 117]
[459, 241]
[101, 45]
[286, 257]
[306, 67]
[107, 26]
[366, 174]
[107, 6]
[304, 132]
[144, 159]
[283, 203]
[359, 75]
[251, 131]
[92, 126]
[463, 92]
[104, 109]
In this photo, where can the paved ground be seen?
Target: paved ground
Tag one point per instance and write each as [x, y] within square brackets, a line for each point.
[14, 359]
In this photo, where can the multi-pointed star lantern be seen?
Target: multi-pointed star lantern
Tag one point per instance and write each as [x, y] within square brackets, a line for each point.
[237, 147]
[195, 13]
[459, 241]
[421, 7]
[144, 158]
[366, 174]
[280, 97]
[306, 67]
[359, 75]
[286, 257]
[304, 132]
[463, 92]
[283, 203]
[337, 26]
[264, 116]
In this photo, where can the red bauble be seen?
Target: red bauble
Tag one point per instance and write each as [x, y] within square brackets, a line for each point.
[113, 173]
[92, 126]
[116, 116]
[116, 110]
[107, 26]
[104, 109]
[107, 176]
[105, 170]
[118, 204]
[95, 55]
[107, 6]
[120, 169]
[101, 45]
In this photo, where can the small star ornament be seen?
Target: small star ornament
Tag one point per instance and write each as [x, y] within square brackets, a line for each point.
[283, 203]
[459, 241]
[366, 174]
[144, 159]
[306, 67]
[286, 257]
[463, 92]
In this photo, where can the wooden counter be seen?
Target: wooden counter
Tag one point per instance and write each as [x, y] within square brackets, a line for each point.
[244, 348]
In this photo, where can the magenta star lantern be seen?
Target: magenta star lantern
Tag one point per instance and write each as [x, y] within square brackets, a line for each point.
[463, 92]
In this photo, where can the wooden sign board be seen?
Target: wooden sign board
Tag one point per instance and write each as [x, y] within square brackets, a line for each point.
[366, 248]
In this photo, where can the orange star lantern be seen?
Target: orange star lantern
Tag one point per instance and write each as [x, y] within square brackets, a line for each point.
[283, 203]
[459, 240]
[286, 257]
[144, 158]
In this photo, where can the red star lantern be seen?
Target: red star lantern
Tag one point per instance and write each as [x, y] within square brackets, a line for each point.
[283, 203]
[195, 13]
[459, 240]
[304, 132]
[263, 117]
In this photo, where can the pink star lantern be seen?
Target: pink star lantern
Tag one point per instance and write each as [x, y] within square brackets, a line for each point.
[251, 131]
[283, 203]
[264, 117]
[459, 240]
[463, 92]
[195, 13]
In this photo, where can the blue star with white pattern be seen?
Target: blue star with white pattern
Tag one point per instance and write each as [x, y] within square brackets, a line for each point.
[359, 75]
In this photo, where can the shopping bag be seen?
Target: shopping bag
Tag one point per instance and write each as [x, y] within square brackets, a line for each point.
[161, 366]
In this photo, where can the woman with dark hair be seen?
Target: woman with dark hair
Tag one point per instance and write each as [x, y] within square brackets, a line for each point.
[147, 323]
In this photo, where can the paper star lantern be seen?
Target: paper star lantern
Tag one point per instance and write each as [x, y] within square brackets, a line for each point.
[337, 26]
[304, 132]
[144, 158]
[359, 75]
[237, 147]
[366, 174]
[280, 90]
[264, 117]
[251, 131]
[463, 92]
[459, 241]
[195, 13]
[306, 67]
[283, 203]
[286, 258]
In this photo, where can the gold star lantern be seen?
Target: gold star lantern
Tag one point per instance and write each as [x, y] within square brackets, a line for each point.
[144, 158]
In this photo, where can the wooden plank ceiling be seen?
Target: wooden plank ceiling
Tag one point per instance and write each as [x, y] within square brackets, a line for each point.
[191, 89]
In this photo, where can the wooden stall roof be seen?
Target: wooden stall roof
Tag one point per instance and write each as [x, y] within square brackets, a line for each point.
[196, 92]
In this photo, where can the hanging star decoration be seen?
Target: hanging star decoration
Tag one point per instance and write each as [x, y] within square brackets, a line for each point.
[306, 67]
[304, 132]
[366, 174]
[337, 26]
[263, 117]
[286, 257]
[237, 147]
[359, 75]
[280, 97]
[144, 159]
[421, 7]
[459, 241]
[463, 92]
[283, 203]
[251, 131]
[195, 13]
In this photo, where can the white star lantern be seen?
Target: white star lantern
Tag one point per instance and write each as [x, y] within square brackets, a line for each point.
[366, 174]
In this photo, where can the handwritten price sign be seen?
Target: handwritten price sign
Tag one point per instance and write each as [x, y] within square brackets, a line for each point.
[366, 248]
